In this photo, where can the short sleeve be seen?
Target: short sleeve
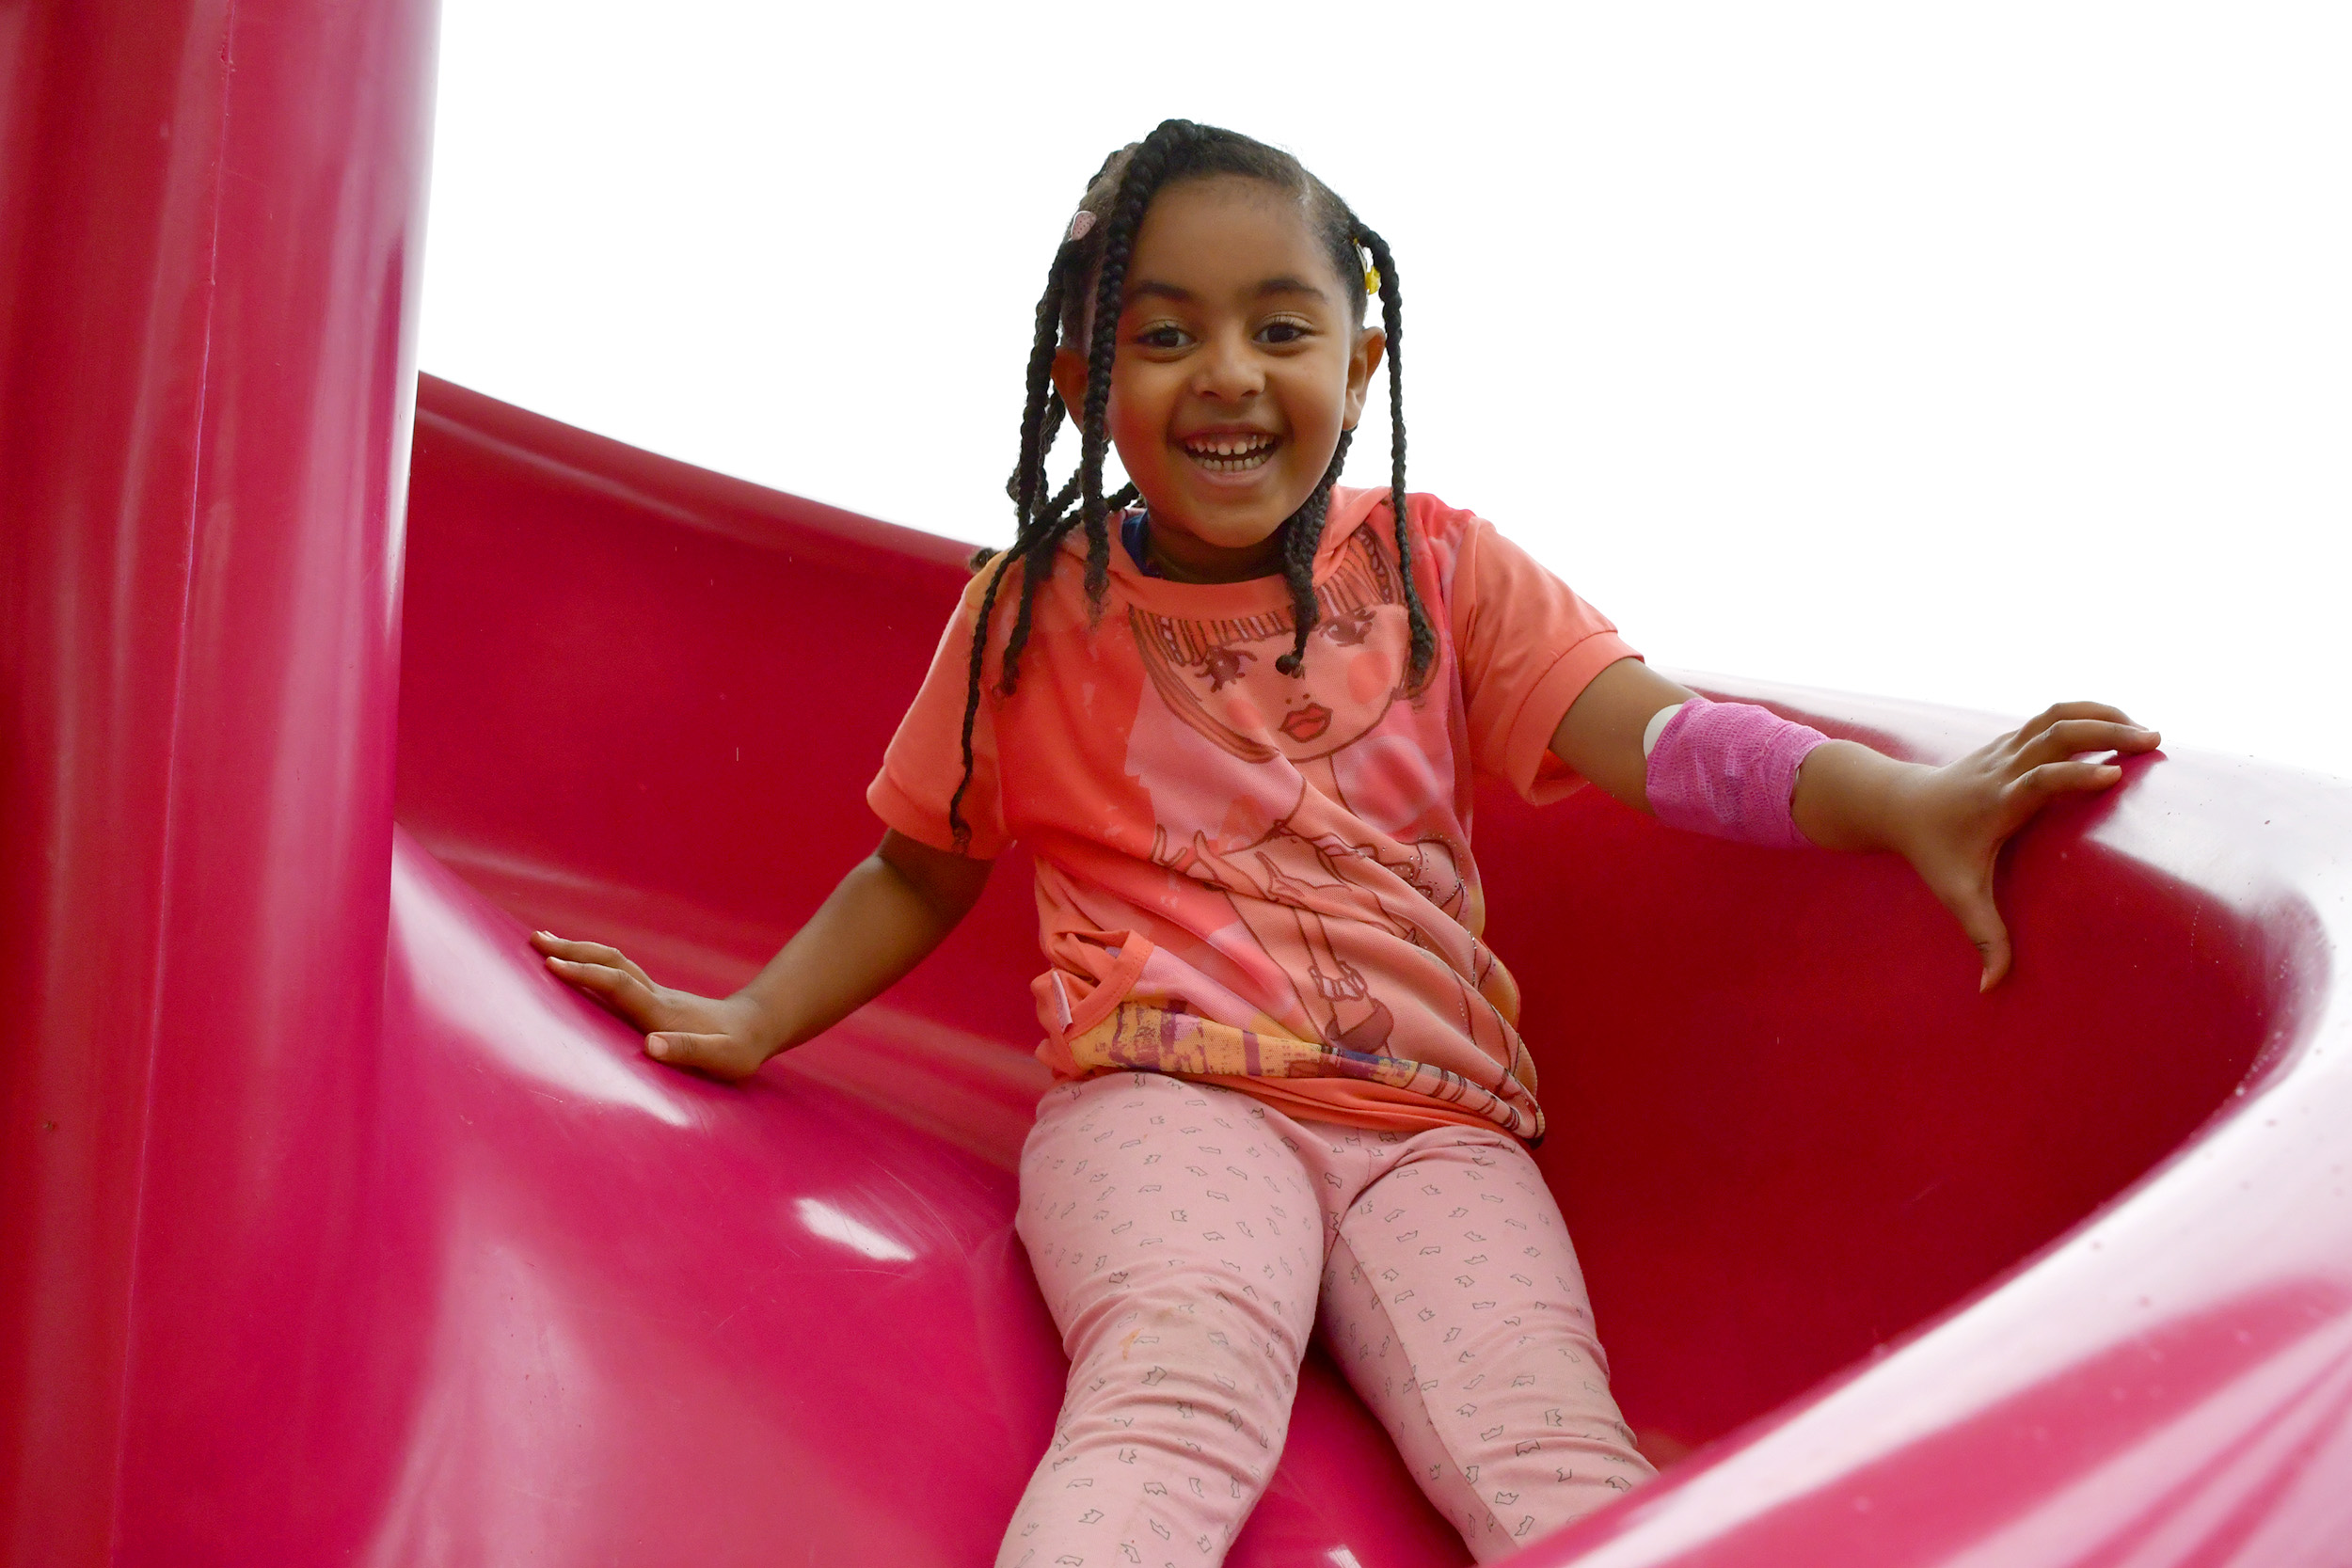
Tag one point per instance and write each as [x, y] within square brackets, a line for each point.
[1528, 647]
[925, 760]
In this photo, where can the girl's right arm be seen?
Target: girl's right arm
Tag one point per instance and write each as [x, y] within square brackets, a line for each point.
[886, 915]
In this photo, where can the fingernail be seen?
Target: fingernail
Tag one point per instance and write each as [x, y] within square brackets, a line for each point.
[656, 1045]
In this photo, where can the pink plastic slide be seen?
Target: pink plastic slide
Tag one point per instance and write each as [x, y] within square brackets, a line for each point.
[333, 1230]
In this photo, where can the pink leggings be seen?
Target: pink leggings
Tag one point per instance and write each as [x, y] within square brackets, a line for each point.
[1190, 1238]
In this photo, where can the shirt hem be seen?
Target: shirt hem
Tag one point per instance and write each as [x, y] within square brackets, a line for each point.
[1373, 1108]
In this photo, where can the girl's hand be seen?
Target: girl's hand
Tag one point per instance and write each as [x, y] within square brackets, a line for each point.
[723, 1038]
[1950, 823]
[893, 908]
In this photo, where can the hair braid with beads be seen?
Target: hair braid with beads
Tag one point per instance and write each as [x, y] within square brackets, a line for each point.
[1083, 295]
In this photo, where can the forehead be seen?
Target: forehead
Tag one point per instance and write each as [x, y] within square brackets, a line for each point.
[1224, 237]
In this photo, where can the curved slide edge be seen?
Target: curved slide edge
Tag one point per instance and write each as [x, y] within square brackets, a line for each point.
[2170, 1382]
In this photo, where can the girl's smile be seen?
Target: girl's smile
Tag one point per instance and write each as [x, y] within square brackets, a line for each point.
[1230, 452]
[1240, 360]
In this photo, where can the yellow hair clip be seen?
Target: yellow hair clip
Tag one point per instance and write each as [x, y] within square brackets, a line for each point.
[1371, 280]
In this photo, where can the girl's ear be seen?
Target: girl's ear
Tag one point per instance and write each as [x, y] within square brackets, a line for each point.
[1372, 346]
[1070, 380]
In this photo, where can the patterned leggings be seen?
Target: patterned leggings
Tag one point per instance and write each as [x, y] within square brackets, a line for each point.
[1190, 1238]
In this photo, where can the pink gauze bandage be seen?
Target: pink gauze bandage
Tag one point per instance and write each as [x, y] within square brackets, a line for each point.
[1729, 770]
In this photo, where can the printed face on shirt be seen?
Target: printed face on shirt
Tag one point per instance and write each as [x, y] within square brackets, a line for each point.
[1220, 676]
[1349, 678]
[1240, 360]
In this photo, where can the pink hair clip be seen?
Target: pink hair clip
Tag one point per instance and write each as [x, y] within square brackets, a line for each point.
[1081, 225]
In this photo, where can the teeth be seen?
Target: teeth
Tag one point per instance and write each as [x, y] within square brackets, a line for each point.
[1229, 454]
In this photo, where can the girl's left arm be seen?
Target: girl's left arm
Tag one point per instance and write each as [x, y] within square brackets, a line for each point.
[1949, 822]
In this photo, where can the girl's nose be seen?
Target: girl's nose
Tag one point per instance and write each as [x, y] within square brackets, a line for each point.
[1228, 370]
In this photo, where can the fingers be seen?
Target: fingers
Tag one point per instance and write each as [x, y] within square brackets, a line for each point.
[715, 1055]
[1978, 916]
[607, 974]
[2052, 779]
[1979, 801]
[1969, 896]
[619, 990]
[2059, 712]
[589, 953]
[2069, 736]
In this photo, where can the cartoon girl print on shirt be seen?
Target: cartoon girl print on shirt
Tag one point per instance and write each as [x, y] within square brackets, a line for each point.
[1300, 874]
[1220, 676]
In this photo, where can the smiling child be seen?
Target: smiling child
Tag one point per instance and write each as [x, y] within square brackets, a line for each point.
[1236, 712]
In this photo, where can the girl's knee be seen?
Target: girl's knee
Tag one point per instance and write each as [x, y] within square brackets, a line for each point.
[1172, 1339]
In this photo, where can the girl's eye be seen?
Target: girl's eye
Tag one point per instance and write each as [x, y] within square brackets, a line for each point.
[1282, 332]
[1161, 336]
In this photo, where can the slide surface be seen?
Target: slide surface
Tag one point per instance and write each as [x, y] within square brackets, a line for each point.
[642, 703]
[336, 1231]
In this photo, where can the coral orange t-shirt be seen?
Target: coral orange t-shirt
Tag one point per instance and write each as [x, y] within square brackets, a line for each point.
[1254, 879]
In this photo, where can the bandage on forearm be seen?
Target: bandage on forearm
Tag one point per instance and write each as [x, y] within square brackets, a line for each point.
[1729, 770]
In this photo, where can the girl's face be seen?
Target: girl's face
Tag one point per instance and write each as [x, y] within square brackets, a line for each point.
[1239, 363]
[1355, 662]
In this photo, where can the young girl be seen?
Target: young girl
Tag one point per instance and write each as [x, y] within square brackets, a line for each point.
[1235, 712]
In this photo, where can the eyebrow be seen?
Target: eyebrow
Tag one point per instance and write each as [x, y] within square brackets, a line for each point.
[1152, 288]
[1289, 286]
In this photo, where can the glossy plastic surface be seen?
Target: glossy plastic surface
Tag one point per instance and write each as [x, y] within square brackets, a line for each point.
[338, 1232]
[209, 224]
[1788, 1131]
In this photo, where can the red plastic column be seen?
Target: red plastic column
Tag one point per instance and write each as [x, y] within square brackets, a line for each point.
[210, 223]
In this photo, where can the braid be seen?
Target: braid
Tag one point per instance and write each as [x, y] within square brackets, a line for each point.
[955, 824]
[1302, 537]
[1041, 416]
[1041, 419]
[1046, 548]
[1147, 171]
[1042, 530]
[1392, 322]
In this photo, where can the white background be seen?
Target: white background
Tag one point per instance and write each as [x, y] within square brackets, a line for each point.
[1986, 353]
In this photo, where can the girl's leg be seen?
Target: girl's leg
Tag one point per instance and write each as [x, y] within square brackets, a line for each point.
[1454, 1303]
[1179, 1247]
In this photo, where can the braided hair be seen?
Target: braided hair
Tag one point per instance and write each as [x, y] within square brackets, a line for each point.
[1096, 252]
